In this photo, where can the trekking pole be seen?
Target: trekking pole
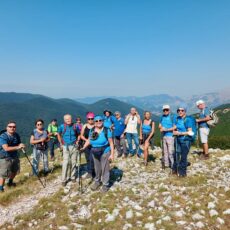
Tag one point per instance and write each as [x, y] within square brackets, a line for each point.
[43, 184]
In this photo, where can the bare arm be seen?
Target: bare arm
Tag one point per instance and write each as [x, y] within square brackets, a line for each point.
[34, 142]
[8, 148]
[112, 149]
[207, 118]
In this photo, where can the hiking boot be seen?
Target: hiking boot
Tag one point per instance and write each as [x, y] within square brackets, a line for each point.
[95, 186]
[119, 155]
[204, 157]
[104, 189]
[182, 176]
[11, 184]
[73, 180]
[88, 176]
[2, 190]
[64, 183]
[145, 163]
[174, 172]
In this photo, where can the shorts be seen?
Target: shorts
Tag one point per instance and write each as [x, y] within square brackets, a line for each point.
[9, 166]
[145, 137]
[204, 132]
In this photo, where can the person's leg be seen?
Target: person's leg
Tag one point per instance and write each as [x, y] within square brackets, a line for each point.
[105, 168]
[130, 144]
[124, 147]
[14, 170]
[166, 151]
[185, 146]
[51, 147]
[204, 132]
[73, 154]
[45, 161]
[136, 140]
[97, 178]
[170, 143]
[36, 159]
[118, 146]
[3, 173]
[65, 164]
[176, 156]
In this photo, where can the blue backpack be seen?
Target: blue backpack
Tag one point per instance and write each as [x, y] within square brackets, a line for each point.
[194, 127]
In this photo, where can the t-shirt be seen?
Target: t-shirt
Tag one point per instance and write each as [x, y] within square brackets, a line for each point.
[52, 129]
[181, 124]
[203, 114]
[108, 121]
[70, 135]
[119, 127]
[131, 126]
[38, 135]
[168, 122]
[101, 141]
[12, 141]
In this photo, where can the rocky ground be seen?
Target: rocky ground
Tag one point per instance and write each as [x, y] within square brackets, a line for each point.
[140, 198]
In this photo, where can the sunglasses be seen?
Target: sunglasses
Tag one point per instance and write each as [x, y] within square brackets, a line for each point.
[39, 124]
[164, 110]
[90, 119]
[116, 115]
[180, 110]
[98, 121]
[12, 127]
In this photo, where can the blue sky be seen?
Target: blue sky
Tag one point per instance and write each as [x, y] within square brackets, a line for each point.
[123, 47]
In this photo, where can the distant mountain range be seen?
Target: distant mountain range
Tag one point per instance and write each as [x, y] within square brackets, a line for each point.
[154, 102]
[26, 108]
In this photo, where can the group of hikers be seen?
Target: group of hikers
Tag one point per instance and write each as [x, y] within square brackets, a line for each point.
[99, 138]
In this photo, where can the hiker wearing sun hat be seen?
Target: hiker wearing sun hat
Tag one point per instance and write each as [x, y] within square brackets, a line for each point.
[182, 135]
[167, 126]
[109, 119]
[204, 130]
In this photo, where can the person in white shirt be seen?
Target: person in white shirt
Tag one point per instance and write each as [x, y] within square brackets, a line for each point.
[132, 120]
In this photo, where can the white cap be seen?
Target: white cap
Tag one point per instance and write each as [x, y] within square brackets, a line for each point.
[166, 107]
[199, 102]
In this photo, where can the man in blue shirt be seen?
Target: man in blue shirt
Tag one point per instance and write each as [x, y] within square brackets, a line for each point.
[167, 126]
[68, 137]
[204, 130]
[119, 129]
[10, 143]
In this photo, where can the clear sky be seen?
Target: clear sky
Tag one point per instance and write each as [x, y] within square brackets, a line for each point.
[122, 47]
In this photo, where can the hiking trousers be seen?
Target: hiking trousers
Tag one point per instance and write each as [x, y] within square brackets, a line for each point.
[120, 145]
[89, 161]
[69, 162]
[37, 155]
[168, 150]
[51, 144]
[180, 157]
[130, 137]
[102, 169]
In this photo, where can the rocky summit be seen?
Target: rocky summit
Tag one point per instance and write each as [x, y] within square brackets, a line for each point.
[140, 197]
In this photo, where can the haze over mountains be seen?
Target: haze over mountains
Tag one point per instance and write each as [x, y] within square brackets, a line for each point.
[154, 102]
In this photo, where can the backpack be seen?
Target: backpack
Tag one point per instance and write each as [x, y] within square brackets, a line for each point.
[16, 135]
[214, 118]
[75, 128]
[194, 127]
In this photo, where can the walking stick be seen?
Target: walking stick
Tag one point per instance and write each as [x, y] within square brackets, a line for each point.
[43, 184]
[162, 158]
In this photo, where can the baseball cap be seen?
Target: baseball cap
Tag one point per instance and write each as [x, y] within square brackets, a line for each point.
[199, 102]
[165, 107]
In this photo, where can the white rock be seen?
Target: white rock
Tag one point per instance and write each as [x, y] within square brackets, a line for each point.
[181, 222]
[129, 214]
[197, 216]
[30, 225]
[84, 213]
[151, 204]
[137, 207]
[226, 212]
[168, 200]
[150, 218]
[159, 222]
[220, 221]
[213, 213]
[127, 226]
[211, 205]
[166, 218]
[138, 214]
[150, 226]
[126, 199]
[180, 213]
[109, 218]
[200, 225]
[63, 228]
